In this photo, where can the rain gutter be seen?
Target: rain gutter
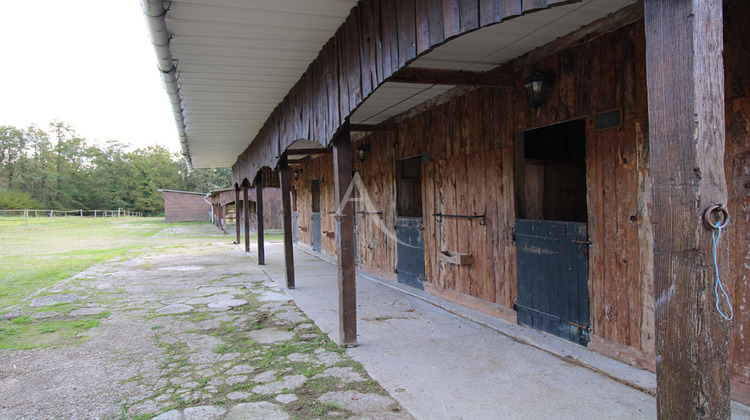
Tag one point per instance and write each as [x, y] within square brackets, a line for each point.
[155, 12]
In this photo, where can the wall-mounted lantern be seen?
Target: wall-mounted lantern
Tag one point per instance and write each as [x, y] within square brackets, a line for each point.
[362, 152]
[535, 84]
[296, 174]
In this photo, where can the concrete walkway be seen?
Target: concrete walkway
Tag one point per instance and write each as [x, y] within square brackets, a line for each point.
[444, 361]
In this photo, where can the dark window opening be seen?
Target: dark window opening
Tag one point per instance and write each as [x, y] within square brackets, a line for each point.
[409, 187]
[315, 189]
[554, 173]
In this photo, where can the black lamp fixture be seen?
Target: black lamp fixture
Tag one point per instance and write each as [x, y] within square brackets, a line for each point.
[296, 174]
[362, 151]
[535, 84]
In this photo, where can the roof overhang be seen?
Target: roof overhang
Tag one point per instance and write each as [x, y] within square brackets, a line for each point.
[227, 64]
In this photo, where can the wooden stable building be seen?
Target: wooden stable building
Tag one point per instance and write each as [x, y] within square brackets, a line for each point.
[226, 207]
[546, 162]
[185, 206]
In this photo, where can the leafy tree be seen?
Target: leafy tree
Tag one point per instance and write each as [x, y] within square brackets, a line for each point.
[58, 169]
[18, 200]
[12, 148]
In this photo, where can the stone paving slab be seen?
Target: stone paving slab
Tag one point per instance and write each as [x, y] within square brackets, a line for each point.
[195, 332]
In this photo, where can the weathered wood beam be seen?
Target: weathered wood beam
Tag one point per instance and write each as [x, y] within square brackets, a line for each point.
[237, 213]
[605, 25]
[342, 174]
[372, 128]
[286, 204]
[301, 162]
[320, 151]
[685, 75]
[259, 220]
[453, 77]
[246, 211]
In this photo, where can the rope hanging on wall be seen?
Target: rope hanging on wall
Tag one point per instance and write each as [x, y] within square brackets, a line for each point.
[716, 227]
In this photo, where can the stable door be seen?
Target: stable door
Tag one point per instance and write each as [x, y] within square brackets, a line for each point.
[551, 232]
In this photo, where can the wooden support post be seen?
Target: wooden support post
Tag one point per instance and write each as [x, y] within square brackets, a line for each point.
[342, 174]
[246, 211]
[685, 74]
[237, 213]
[286, 204]
[259, 218]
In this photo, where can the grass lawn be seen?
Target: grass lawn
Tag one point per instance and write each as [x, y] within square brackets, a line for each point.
[36, 256]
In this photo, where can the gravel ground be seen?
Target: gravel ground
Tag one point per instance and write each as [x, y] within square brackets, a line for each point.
[194, 331]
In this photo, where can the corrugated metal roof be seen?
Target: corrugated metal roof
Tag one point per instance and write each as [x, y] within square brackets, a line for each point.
[237, 59]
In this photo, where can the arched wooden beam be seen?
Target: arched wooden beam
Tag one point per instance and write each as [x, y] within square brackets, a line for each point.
[377, 40]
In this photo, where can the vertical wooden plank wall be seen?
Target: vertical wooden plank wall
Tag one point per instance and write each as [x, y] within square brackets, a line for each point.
[737, 167]
[357, 59]
[319, 168]
[604, 74]
[376, 248]
[470, 139]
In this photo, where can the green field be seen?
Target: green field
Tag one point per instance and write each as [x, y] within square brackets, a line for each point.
[36, 256]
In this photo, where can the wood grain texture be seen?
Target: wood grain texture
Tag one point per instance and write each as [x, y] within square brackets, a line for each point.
[378, 38]
[599, 68]
[342, 168]
[259, 212]
[737, 164]
[685, 77]
[285, 181]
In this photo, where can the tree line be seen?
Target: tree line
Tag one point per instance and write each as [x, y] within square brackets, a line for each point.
[58, 169]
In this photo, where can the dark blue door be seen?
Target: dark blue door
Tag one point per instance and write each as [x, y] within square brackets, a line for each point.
[316, 233]
[552, 267]
[294, 227]
[410, 249]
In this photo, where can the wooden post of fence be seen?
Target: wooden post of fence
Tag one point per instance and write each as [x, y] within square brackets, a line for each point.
[26, 213]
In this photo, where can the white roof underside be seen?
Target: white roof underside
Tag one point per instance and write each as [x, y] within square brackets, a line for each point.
[484, 50]
[237, 59]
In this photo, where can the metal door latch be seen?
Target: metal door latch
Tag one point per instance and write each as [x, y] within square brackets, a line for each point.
[586, 242]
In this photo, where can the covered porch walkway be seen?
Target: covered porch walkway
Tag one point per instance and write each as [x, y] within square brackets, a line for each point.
[441, 360]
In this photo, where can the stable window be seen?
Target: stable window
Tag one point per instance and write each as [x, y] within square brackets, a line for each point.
[315, 189]
[553, 173]
[409, 187]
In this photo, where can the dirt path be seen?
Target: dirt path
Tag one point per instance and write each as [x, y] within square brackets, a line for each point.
[195, 331]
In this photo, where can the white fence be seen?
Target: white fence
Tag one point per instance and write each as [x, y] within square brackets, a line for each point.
[35, 214]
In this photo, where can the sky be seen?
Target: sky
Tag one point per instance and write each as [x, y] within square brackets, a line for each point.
[87, 63]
